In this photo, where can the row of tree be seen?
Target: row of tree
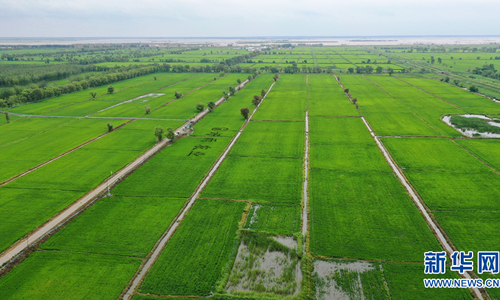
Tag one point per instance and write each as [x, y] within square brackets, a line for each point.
[25, 95]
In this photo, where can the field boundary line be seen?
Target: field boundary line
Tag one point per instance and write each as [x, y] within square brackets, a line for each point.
[7, 181]
[20, 246]
[438, 232]
[141, 274]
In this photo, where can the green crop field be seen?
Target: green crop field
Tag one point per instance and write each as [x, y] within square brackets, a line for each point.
[193, 259]
[386, 115]
[185, 107]
[274, 218]
[445, 175]
[118, 225]
[227, 117]
[405, 281]
[287, 102]
[349, 208]
[257, 179]
[176, 171]
[326, 97]
[271, 139]
[66, 275]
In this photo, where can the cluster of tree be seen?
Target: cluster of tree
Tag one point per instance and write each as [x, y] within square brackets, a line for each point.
[487, 71]
[23, 74]
[20, 95]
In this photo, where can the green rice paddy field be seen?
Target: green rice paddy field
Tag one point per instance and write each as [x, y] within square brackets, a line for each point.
[353, 206]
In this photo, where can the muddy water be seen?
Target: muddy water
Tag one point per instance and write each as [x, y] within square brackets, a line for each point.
[330, 290]
[270, 267]
[472, 132]
[287, 241]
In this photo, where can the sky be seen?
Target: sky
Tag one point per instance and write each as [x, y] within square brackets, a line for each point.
[236, 18]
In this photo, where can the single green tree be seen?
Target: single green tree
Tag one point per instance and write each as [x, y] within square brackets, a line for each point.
[148, 109]
[473, 89]
[263, 93]
[170, 133]
[276, 76]
[379, 69]
[211, 105]
[7, 117]
[244, 112]
[111, 89]
[222, 74]
[232, 91]
[238, 81]
[200, 106]
[346, 91]
[110, 127]
[159, 133]
[93, 94]
[256, 100]
[155, 77]
[178, 95]
[390, 71]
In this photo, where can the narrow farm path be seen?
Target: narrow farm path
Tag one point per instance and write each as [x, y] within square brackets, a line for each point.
[305, 209]
[438, 232]
[84, 202]
[160, 245]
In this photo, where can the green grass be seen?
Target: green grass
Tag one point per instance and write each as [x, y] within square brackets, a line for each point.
[65, 275]
[172, 172]
[118, 225]
[326, 131]
[286, 101]
[405, 282]
[193, 259]
[365, 216]
[257, 179]
[274, 218]
[271, 139]
[476, 124]
[326, 97]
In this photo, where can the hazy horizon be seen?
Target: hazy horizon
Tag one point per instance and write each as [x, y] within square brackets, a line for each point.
[223, 18]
